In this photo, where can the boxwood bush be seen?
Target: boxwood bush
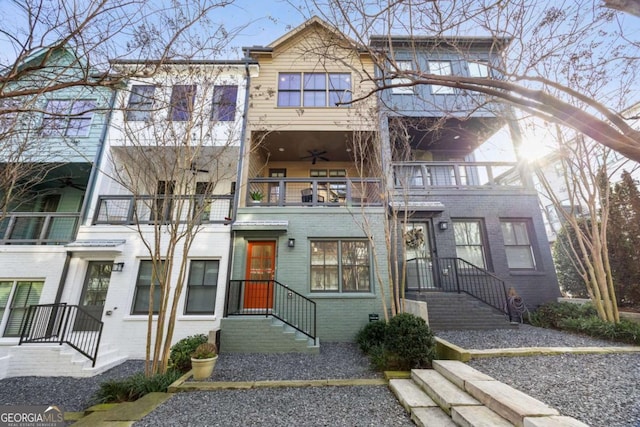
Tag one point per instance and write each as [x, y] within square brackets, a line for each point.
[180, 356]
[406, 342]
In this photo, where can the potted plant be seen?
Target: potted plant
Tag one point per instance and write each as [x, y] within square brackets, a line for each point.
[203, 360]
[256, 196]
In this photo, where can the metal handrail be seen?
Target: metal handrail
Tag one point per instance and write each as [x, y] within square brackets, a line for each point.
[63, 324]
[272, 298]
[459, 275]
[480, 175]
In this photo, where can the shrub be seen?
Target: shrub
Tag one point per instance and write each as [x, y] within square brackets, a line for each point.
[134, 387]
[404, 343]
[180, 356]
[552, 314]
[372, 335]
[625, 331]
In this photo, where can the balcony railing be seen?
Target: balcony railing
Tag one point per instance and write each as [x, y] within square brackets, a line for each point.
[38, 228]
[461, 175]
[315, 192]
[126, 210]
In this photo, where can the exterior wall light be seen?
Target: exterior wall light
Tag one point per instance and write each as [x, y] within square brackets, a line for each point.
[443, 225]
[291, 243]
[117, 266]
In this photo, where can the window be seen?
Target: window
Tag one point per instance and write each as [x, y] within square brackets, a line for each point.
[340, 266]
[313, 89]
[317, 173]
[25, 293]
[224, 103]
[402, 90]
[67, 118]
[440, 68]
[409, 177]
[202, 287]
[182, 97]
[140, 103]
[517, 245]
[468, 237]
[143, 288]
[478, 69]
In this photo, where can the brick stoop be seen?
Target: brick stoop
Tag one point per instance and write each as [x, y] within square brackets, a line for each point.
[454, 394]
[252, 334]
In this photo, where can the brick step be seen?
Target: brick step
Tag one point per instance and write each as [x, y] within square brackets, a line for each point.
[467, 397]
[251, 334]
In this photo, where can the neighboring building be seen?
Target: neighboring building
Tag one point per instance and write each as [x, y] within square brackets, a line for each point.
[61, 137]
[463, 228]
[303, 244]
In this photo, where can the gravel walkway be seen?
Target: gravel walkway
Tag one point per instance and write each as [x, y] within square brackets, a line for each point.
[600, 390]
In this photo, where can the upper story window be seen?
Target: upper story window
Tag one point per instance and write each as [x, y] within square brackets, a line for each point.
[182, 97]
[479, 69]
[441, 68]
[64, 117]
[313, 89]
[402, 90]
[225, 99]
[140, 103]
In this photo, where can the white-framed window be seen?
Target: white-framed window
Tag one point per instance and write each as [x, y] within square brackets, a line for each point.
[182, 99]
[65, 117]
[402, 65]
[202, 287]
[141, 299]
[340, 266]
[440, 68]
[313, 89]
[15, 298]
[517, 244]
[469, 240]
[479, 69]
[140, 103]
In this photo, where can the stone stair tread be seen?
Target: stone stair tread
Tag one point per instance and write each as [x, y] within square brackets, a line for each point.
[553, 421]
[507, 401]
[441, 390]
[410, 395]
[477, 416]
[458, 372]
[431, 417]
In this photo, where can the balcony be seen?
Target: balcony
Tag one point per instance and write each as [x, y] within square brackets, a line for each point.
[149, 209]
[352, 192]
[38, 228]
[423, 176]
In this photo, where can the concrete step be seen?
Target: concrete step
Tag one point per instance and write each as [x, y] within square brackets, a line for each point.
[477, 416]
[251, 334]
[431, 417]
[441, 390]
[410, 395]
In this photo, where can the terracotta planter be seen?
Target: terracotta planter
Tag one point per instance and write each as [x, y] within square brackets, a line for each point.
[203, 368]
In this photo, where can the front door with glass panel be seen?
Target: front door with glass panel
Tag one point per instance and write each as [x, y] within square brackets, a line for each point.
[260, 272]
[419, 265]
[94, 294]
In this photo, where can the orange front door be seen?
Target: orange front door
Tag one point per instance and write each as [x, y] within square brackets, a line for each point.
[261, 263]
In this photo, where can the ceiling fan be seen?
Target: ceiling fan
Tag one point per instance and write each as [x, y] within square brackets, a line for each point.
[68, 182]
[314, 155]
[194, 168]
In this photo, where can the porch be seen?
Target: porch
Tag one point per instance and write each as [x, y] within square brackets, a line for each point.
[38, 228]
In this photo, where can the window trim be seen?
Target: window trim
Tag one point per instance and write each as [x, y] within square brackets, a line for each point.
[182, 102]
[329, 90]
[186, 311]
[483, 240]
[140, 110]
[66, 116]
[340, 267]
[11, 308]
[528, 226]
[137, 288]
[223, 106]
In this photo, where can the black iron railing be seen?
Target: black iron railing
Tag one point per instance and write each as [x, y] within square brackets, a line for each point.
[62, 324]
[458, 275]
[467, 175]
[127, 210]
[272, 298]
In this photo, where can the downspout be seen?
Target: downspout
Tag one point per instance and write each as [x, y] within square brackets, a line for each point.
[236, 196]
[63, 277]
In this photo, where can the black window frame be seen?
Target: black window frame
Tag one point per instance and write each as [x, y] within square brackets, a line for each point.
[157, 290]
[531, 244]
[332, 91]
[68, 118]
[213, 290]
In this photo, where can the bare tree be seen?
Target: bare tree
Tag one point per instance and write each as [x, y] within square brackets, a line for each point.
[552, 54]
